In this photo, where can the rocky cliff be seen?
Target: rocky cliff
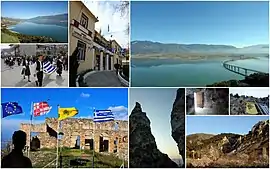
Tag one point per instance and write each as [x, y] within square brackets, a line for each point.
[143, 151]
[178, 122]
[231, 150]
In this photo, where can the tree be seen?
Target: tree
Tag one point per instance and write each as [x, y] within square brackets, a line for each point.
[123, 7]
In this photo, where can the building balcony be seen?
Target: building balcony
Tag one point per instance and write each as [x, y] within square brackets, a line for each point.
[77, 24]
[102, 45]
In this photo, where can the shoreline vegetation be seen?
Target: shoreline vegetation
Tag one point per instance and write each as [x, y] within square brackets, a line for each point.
[9, 36]
[196, 56]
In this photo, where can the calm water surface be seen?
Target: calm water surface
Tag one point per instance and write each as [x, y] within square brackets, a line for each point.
[176, 73]
[59, 33]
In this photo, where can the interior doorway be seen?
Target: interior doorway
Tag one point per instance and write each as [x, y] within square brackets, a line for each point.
[199, 98]
[89, 143]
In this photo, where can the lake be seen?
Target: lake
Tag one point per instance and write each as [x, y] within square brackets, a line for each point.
[177, 73]
[58, 33]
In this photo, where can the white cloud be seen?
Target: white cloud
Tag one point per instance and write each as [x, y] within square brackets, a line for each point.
[120, 112]
[85, 95]
[108, 15]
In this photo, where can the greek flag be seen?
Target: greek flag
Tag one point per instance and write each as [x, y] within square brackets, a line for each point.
[48, 68]
[103, 115]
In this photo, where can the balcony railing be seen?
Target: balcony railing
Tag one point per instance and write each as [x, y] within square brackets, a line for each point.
[101, 43]
[79, 26]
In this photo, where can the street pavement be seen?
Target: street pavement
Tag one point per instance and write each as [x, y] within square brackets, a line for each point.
[11, 77]
[103, 79]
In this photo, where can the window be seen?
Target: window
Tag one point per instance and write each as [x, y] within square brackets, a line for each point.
[116, 126]
[84, 21]
[82, 49]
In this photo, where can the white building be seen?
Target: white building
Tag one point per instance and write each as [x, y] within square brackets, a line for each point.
[28, 50]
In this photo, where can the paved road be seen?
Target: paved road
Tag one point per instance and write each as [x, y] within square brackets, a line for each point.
[103, 79]
[13, 78]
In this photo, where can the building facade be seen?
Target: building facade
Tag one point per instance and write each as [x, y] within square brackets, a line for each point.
[110, 137]
[95, 52]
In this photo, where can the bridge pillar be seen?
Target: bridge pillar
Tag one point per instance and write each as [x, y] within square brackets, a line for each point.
[246, 72]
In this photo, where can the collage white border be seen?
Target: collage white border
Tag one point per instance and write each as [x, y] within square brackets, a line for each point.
[130, 72]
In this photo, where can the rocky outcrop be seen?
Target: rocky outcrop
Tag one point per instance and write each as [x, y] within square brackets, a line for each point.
[231, 150]
[253, 80]
[178, 122]
[143, 151]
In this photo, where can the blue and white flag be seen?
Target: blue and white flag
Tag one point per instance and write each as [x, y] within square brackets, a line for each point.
[48, 68]
[103, 115]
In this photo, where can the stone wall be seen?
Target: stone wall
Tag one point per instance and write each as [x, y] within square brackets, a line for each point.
[85, 129]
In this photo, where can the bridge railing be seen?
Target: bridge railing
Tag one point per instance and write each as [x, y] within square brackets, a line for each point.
[230, 67]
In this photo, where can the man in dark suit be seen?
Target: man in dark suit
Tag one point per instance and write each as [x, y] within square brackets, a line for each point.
[39, 71]
[16, 159]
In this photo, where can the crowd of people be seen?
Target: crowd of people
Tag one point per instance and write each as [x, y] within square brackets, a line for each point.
[60, 62]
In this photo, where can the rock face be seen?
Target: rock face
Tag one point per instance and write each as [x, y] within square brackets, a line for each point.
[178, 122]
[143, 151]
[215, 99]
[253, 80]
[231, 150]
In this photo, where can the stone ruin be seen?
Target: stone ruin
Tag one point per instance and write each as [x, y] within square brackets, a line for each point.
[107, 137]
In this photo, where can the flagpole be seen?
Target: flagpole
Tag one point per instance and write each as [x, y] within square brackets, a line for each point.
[94, 139]
[57, 157]
[31, 122]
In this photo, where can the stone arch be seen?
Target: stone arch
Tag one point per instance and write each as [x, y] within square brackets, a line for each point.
[125, 139]
[74, 138]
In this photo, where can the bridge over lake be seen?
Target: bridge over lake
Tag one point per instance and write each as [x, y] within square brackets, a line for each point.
[237, 69]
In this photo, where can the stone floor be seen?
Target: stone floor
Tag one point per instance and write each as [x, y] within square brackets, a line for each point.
[11, 77]
[103, 79]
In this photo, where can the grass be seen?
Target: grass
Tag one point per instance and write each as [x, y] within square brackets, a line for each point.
[26, 38]
[6, 38]
[45, 156]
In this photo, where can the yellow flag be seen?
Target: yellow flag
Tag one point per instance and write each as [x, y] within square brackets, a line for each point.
[64, 113]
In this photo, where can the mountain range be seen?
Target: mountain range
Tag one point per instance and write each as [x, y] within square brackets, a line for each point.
[60, 19]
[149, 47]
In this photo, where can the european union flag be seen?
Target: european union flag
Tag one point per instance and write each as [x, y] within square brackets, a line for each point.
[11, 108]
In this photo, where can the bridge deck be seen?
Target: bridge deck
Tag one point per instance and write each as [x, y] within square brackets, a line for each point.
[237, 69]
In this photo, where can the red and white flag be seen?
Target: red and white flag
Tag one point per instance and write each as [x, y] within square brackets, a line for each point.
[41, 108]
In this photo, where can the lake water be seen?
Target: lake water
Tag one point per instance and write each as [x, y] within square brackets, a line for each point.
[176, 73]
[58, 33]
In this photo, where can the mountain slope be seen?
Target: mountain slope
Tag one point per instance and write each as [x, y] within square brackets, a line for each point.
[148, 47]
[228, 149]
[61, 19]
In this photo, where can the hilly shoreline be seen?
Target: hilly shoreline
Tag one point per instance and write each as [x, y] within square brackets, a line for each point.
[143, 48]
[229, 149]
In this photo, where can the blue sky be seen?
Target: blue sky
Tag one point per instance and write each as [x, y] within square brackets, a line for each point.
[222, 124]
[30, 9]
[85, 100]
[251, 91]
[157, 103]
[231, 23]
